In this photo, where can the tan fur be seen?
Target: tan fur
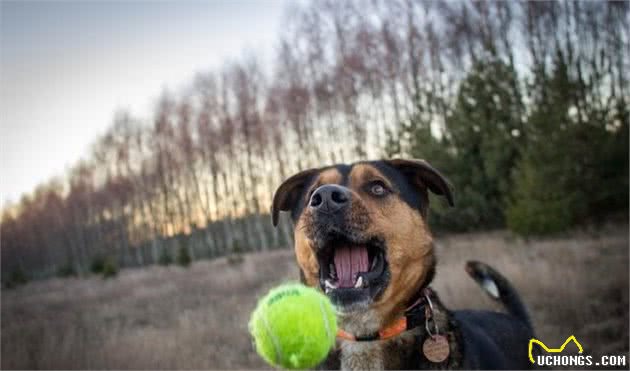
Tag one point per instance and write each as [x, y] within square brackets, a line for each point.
[328, 176]
[305, 256]
[409, 255]
[409, 243]
[303, 249]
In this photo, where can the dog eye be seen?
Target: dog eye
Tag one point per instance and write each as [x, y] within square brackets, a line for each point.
[378, 189]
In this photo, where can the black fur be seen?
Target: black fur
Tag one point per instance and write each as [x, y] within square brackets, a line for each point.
[479, 339]
[493, 341]
[408, 193]
[507, 294]
[300, 203]
[416, 198]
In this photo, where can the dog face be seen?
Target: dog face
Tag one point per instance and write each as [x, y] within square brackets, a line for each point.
[360, 231]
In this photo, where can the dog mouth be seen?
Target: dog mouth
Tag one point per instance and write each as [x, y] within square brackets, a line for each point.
[352, 271]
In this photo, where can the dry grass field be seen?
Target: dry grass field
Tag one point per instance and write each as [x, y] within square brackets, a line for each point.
[196, 318]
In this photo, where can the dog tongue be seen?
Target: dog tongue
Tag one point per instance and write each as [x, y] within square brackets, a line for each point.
[350, 260]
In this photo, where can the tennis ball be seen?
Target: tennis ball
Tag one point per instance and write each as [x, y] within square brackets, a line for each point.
[293, 326]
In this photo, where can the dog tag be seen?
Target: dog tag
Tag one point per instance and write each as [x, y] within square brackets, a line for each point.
[436, 348]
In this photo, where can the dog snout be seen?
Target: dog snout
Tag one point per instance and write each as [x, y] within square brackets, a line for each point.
[330, 198]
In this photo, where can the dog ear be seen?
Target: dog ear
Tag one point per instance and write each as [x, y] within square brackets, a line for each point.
[420, 173]
[287, 194]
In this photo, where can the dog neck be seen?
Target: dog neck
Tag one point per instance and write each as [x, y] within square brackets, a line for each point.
[360, 323]
[360, 355]
[363, 355]
[374, 354]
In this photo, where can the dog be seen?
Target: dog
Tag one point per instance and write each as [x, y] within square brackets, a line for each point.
[361, 237]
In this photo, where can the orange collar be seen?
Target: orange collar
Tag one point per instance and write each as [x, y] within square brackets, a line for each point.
[415, 315]
[399, 326]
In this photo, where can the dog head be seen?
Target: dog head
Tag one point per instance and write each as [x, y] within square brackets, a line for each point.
[360, 231]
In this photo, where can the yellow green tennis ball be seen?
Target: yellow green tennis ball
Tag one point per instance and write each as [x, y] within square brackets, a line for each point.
[293, 326]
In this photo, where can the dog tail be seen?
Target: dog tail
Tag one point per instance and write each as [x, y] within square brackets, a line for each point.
[499, 289]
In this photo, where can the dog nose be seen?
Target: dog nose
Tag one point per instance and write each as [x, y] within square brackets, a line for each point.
[330, 198]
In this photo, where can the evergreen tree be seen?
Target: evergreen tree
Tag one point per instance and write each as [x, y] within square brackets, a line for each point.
[485, 131]
[574, 166]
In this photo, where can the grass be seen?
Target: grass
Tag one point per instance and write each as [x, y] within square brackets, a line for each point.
[196, 318]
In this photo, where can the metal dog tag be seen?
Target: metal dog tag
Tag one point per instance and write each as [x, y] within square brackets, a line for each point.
[436, 348]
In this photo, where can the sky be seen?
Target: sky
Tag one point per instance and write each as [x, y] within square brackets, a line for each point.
[67, 67]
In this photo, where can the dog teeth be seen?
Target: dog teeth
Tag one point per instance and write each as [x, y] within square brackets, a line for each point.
[333, 272]
[373, 263]
[359, 283]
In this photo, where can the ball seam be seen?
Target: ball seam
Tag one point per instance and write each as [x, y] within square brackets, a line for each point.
[274, 341]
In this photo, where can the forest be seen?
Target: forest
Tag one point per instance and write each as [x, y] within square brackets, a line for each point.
[524, 106]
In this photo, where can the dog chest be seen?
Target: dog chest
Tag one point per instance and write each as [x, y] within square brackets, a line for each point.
[361, 355]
